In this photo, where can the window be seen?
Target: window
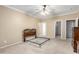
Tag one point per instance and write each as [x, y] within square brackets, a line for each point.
[42, 29]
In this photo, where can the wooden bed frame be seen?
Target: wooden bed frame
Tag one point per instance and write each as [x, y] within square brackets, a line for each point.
[29, 32]
[32, 32]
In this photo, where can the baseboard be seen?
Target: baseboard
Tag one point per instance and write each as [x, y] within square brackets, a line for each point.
[10, 44]
[59, 38]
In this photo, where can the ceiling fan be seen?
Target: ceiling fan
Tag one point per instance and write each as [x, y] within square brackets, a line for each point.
[43, 11]
[44, 7]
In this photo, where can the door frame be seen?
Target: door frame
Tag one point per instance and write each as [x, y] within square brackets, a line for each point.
[55, 29]
[66, 25]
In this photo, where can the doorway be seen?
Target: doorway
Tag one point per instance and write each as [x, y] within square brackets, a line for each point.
[58, 29]
[69, 28]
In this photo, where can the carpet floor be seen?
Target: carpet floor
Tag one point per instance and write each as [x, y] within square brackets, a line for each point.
[53, 46]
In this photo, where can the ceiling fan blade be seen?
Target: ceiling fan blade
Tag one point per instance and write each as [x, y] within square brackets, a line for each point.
[37, 12]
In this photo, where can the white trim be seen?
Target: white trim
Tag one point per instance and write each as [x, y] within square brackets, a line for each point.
[69, 13]
[10, 44]
[15, 9]
[76, 22]
[18, 10]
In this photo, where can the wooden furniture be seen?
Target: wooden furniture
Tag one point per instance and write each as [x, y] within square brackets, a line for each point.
[37, 40]
[76, 38]
[29, 32]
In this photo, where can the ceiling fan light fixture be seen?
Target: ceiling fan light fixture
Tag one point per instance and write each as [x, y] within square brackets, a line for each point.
[43, 13]
[46, 12]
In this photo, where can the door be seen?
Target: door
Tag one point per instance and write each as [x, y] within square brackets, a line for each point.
[69, 28]
[58, 29]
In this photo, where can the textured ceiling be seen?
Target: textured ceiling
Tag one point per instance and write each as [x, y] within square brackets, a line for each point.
[52, 10]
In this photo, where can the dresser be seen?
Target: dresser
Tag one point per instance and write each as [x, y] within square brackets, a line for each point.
[76, 38]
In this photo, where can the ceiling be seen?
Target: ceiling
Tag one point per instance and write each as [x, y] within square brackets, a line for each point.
[52, 10]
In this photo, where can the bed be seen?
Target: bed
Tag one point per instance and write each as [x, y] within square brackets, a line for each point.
[36, 40]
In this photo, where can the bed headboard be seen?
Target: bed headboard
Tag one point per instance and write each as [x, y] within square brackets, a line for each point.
[28, 33]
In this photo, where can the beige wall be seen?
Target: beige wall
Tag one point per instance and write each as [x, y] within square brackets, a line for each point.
[51, 24]
[12, 23]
